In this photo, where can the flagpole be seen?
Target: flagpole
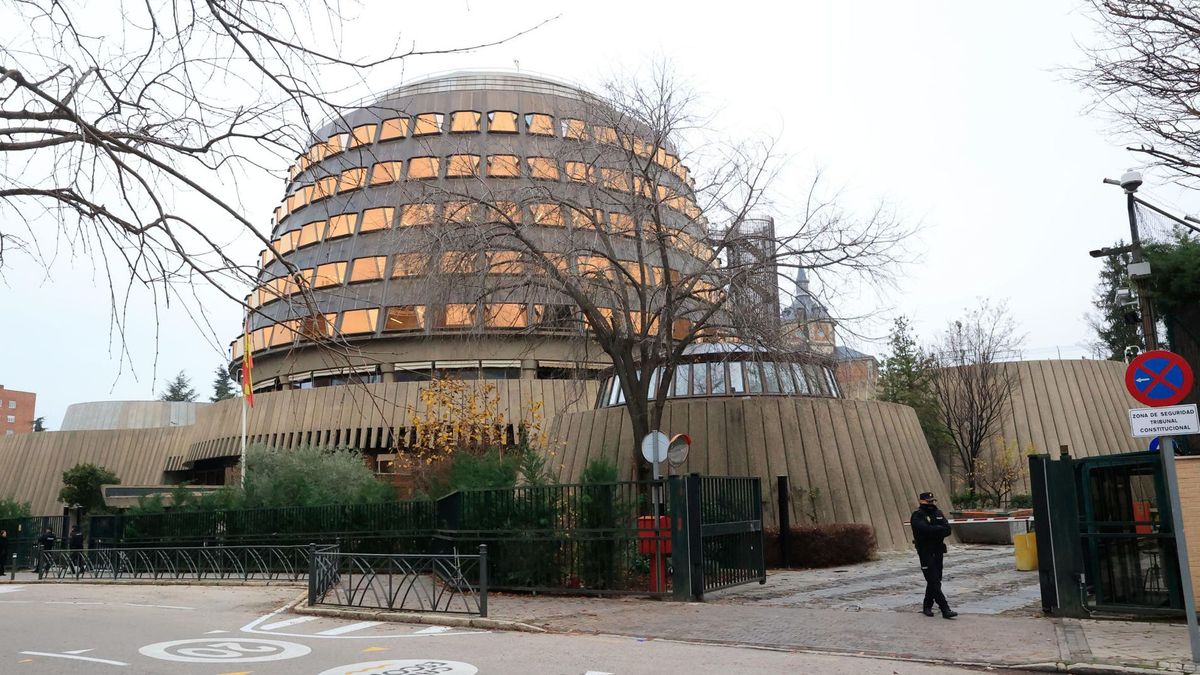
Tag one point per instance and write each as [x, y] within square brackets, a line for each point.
[242, 467]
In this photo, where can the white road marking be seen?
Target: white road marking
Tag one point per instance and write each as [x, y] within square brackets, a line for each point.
[76, 658]
[433, 630]
[596, 672]
[17, 602]
[70, 602]
[11, 589]
[78, 651]
[253, 628]
[288, 622]
[214, 632]
[340, 630]
[134, 604]
[219, 650]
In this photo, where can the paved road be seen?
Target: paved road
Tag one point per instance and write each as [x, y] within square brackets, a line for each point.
[224, 631]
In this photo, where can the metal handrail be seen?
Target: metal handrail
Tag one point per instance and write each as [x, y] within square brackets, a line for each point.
[271, 563]
[437, 582]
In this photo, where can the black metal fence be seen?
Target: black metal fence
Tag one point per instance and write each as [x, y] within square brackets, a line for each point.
[601, 538]
[23, 534]
[451, 583]
[263, 563]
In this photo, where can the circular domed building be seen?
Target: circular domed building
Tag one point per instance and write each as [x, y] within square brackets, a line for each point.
[396, 253]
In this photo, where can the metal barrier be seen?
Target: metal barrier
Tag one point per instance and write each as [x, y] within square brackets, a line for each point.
[449, 583]
[265, 563]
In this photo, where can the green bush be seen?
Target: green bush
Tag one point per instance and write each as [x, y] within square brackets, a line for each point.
[966, 500]
[1020, 502]
[823, 545]
[11, 508]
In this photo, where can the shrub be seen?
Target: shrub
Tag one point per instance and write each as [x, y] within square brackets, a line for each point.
[966, 500]
[1021, 502]
[11, 508]
[823, 545]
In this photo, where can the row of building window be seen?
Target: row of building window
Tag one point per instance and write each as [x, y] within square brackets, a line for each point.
[471, 121]
[417, 318]
[411, 215]
[375, 268]
[734, 378]
[469, 166]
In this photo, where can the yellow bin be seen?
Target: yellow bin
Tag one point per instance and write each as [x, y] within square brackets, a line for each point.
[1025, 545]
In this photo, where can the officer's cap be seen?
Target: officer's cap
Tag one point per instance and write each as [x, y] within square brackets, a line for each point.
[926, 496]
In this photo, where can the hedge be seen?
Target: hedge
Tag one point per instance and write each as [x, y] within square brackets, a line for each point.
[823, 545]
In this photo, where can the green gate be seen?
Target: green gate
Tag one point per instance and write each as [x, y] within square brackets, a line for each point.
[719, 543]
[1105, 541]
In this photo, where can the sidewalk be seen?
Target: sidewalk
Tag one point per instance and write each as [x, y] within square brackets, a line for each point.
[977, 639]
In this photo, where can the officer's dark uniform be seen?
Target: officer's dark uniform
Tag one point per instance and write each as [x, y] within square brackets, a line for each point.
[47, 541]
[930, 529]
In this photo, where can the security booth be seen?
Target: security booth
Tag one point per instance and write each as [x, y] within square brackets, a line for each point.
[1105, 540]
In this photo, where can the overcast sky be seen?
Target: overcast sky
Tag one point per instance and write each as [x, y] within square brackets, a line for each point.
[958, 114]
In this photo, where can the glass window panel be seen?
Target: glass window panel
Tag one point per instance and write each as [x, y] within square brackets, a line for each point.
[615, 179]
[416, 214]
[754, 383]
[554, 317]
[737, 385]
[505, 315]
[579, 172]
[801, 382]
[576, 129]
[505, 212]
[816, 380]
[397, 127]
[265, 256]
[368, 269]
[505, 262]
[359, 321]
[542, 168]
[539, 124]
[237, 348]
[772, 378]
[832, 381]
[310, 233]
[614, 395]
[317, 326]
[717, 374]
[786, 383]
[546, 214]
[352, 179]
[306, 194]
[460, 166]
[341, 225]
[459, 212]
[377, 219]
[585, 218]
[592, 265]
[621, 224]
[386, 172]
[329, 274]
[605, 135]
[335, 144]
[405, 317]
[502, 122]
[464, 121]
[284, 333]
[458, 316]
[683, 375]
[700, 379]
[325, 187]
[653, 386]
[426, 124]
[362, 135]
[680, 328]
[423, 167]
[503, 166]
[409, 265]
[260, 338]
[458, 262]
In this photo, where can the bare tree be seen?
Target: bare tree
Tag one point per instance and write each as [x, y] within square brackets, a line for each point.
[972, 383]
[127, 131]
[631, 253]
[1144, 72]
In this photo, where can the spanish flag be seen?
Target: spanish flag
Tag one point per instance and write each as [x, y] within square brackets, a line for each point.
[247, 366]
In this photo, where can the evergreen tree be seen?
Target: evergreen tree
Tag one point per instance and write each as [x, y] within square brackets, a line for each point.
[179, 389]
[222, 385]
[81, 487]
[1115, 325]
[39, 424]
[906, 378]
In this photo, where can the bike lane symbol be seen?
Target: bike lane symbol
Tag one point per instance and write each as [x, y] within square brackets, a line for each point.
[218, 650]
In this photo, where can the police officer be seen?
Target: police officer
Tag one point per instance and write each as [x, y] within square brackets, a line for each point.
[930, 530]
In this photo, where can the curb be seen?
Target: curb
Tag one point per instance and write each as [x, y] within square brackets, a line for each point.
[412, 617]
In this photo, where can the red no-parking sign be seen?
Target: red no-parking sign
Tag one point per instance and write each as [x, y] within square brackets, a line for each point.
[1159, 378]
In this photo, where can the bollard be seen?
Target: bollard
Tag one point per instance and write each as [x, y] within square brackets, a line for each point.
[312, 574]
[12, 572]
[483, 580]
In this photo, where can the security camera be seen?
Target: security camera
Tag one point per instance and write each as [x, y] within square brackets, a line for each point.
[1131, 181]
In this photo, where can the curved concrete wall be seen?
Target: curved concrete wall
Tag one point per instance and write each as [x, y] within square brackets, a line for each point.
[1078, 403]
[97, 415]
[867, 460]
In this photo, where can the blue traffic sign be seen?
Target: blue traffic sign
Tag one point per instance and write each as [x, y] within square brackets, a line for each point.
[1155, 444]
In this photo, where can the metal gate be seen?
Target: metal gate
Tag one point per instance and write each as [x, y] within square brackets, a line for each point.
[719, 543]
[1105, 541]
